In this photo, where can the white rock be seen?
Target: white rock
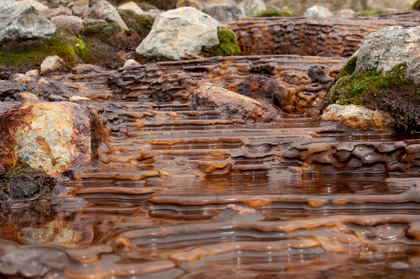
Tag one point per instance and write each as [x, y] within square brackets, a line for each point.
[32, 73]
[130, 62]
[318, 11]
[250, 7]
[105, 11]
[179, 32]
[131, 6]
[51, 64]
[22, 21]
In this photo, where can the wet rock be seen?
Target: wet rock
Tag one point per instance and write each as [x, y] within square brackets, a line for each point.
[318, 11]
[250, 7]
[131, 6]
[177, 32]
[56, 12]
[103, 10]
[260, 87]
[25, 183]
[389, 47]
[55, 137]
[22, 21]
[358, 117]
[190, 3]
[233, 103]
[51, 64]
[225, 11]
[68, 25]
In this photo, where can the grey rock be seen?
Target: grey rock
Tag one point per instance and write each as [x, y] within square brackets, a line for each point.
[318, 11]
[385, 49]
[250, 7]
[131, 6]
[226, 11]
[56, 12]
[106, 11]
[80, 7]
[68, 25]
[39, 6]
[273, 7]
[22, 21]
[178, 32]
[51, 64]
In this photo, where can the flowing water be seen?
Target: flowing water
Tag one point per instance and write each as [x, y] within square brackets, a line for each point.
[181, 191]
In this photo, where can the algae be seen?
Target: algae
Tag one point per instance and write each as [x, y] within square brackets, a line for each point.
[103, 31]
[376, 12]
[272, 13]
[227, 43]
[416, 5]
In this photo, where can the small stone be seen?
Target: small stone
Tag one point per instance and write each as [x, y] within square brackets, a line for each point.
[78, 99]
[400, 265]
[130, 62]
[225, 11]
[318, 11]
[32, 73]
[250, 7]
[103, 10]
[39, 6]
[68, 25]
[190, 3]
[56, 12]
[22, 78]
[26, 97]
[51, 64]
[131, 6]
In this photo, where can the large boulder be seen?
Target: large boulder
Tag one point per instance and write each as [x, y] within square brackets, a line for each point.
[251, 7]
[53, 137]
[102, 10]
[19, 21]
[393, 45]
[234, 104]
[225, 11]
[179, 32]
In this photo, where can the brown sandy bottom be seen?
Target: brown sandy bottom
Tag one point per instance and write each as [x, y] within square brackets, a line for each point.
[188, 192]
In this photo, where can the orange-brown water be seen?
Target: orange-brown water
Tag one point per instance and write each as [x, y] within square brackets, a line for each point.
[186, 192]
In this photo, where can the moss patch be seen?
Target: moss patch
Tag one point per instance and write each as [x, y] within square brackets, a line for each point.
[376, 12]
[142, 24]
[31, 53]
[416, 5]
[391, 92]
[349, 68]
[272, 13]
[102, 31]
[25, 183]
[227, 43]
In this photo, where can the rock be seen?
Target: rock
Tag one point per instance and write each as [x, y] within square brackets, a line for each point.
[233, 103]
[55, 137]
[177, 32]
[22, 78]
[225, 11]
[39, 6]
[79, 99]
[51, 64]
[358, 117]
[68, 25]
[385, 49]
[26, 97]
[259, 87]
[105, 11]
[402, 5]
[56, 12]
[19, 21]
[273, 8]
[131, 6]
[130, 62]
[250, 7]
[346, 13]
[190, 3]
[318, 11]
[32, 73]
[80, 7]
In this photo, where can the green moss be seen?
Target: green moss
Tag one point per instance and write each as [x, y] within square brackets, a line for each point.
[31, 53]
[227, 43]
[349, 68]
[139, 23]
[102, 31]
[353, 88]
[416, 5]
[272, 13]
[376, 12]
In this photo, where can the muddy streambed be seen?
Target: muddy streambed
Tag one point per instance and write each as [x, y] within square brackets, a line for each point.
[181, 191]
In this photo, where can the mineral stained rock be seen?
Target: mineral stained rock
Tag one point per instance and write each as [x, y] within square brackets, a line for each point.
[22, 21]
[358, 117]
[233, 103]
[179, 32]
[55, 137]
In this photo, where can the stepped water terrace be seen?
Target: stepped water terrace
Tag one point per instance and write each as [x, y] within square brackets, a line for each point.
[181, 190]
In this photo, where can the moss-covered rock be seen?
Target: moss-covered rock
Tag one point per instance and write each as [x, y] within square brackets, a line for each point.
[272, 13]
[349, 68]
[227, 43]
[21, 56]
[25, 183]
[391, 92]
[141, 24]
[376, 12]
[416, 5]
[102, 31]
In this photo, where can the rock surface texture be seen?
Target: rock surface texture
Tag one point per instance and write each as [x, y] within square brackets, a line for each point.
[225, 11]
[106, 11]
[68, 25]
[51, 64]
[55, 137]
[385, 49]
[358, 117]
[22, 21]
[179, 32]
